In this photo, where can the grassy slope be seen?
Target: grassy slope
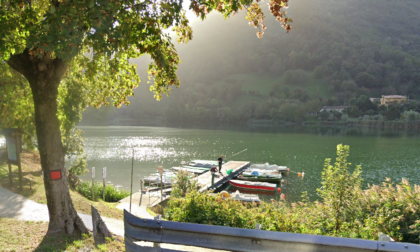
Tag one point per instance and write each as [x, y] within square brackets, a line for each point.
[31, 169]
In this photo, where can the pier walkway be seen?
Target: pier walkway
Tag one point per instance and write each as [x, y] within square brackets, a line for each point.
[205, 179]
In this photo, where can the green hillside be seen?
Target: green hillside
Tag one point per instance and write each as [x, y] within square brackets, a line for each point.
[336, 51]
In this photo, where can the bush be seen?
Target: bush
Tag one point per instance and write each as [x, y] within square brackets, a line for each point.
[339, 189]
[111, 194]
[183, 184]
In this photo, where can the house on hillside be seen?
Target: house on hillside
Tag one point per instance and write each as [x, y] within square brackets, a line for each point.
[333, 108]
[373, 100]
[390, 99]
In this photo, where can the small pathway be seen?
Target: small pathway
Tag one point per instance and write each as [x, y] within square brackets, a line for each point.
[16, 206]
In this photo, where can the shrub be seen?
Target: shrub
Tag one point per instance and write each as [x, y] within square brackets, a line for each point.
[183, 184]
[339, 188]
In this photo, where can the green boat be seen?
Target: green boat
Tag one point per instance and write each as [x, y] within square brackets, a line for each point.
[259, 178]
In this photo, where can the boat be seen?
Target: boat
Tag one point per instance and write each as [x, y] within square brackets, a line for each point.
[204, 162]
[267, 178]
[250, 172]
[155, 179]
[264, 186]
[232, 189]
[267, 166]
[196, 170]
[246, 198]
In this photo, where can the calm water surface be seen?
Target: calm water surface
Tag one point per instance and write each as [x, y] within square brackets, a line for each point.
[395, 155]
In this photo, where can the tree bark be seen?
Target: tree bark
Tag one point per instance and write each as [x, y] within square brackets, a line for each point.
[44, 76]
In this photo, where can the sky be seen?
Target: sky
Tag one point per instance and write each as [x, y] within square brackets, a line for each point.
[190, 14]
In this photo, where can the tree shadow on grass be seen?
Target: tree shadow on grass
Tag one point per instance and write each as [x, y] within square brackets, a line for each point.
[63, 242]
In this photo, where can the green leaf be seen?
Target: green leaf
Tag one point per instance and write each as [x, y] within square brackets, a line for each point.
[91, 3]
[52, 9]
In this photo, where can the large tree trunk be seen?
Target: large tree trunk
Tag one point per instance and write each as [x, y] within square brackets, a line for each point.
[44, 76]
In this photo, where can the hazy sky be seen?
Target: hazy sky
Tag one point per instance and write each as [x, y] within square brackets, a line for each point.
[190, 14]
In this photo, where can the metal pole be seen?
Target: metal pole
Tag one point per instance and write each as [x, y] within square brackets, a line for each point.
[212, 179]
[17, 137]
[132, 168]
[141, 191]
[10, 173]
[103, 191]
[93, 188]
[161, 184]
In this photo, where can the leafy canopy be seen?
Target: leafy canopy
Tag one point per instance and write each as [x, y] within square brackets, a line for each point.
[113, 30]
[97, 39]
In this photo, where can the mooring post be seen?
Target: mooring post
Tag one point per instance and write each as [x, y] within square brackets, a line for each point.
[212, 179]
[161, 185]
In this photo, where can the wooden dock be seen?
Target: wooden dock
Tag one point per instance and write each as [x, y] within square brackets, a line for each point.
[205, 179]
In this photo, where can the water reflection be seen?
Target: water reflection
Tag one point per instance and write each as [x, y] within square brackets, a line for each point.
[395, 156]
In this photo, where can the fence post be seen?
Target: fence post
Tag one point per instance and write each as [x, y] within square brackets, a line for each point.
[10, 173]
[103, 177]
[158, 218]
[141, 191]
[93, 183]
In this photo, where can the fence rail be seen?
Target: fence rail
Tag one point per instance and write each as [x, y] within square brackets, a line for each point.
[239, 239]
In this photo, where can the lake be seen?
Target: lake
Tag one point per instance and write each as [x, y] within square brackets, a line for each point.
[381, 154]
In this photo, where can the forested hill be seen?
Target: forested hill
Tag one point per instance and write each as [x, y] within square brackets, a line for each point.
[336, 51]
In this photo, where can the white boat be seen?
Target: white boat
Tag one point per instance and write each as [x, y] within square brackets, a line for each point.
[196, 170]
[154, 178]
[240, 196]
[267, 166]
[204, 163]
[260, 172]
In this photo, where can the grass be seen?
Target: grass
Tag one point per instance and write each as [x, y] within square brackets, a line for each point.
[111, 193]
[31, 169]
[31, 236]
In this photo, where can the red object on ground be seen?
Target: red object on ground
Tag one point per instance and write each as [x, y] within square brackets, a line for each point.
[56, 174]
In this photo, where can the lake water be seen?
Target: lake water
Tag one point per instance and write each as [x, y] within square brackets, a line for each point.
[381, 154]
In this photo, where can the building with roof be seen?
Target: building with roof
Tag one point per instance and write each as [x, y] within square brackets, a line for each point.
[373, 100]
[392, 99]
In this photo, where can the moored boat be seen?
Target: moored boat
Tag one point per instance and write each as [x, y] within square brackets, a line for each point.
[246, 198]
[264, 186]
[196, 170]
[251, 170]
[267, 166]
[155, 179]
[272, 179]
[198, 162]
